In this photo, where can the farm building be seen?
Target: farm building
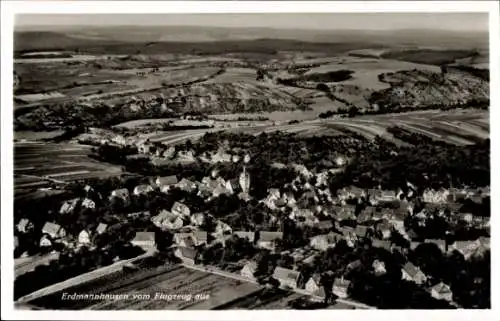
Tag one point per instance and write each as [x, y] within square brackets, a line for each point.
[341, 287]
[145, 240]
[412, 273]
[188, 255]
[248, 270]
[286, 277]
[267, 239]
[143, 189]
[54, 230]
[441, 291]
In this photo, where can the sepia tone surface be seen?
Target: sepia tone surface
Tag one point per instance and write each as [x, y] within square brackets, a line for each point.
[271, 161]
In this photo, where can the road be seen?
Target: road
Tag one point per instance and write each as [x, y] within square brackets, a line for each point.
[219, 272]
[24, 265]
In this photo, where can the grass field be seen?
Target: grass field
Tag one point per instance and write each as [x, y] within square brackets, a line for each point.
[38, 165]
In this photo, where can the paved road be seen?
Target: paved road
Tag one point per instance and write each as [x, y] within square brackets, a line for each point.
[216, 271]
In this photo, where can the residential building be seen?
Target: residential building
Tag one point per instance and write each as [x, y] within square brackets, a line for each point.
[101, 228]
[341, 287]
[188, 255]
[166, 182]
[248, 270]
[366, 214]
[184, 239]
[143, 189]
[54, 230]
[267, 239]
[286, 277]
[442, 291]
[314, 286]
[232, 186]
[187, 185]
[146, 240]
[180, 209]
[197, 219]
[88, 203]
[168, 220]
[45, 241]
[412, 273]
[122, 194]
[84, 237]
[25, 225]
[362, 231]
[437, 197]
[379, 267]
[69, 206]
[200, 237]
[383, 244]
[345, 212]
[384, 228]
[250, 236]
[324, 241]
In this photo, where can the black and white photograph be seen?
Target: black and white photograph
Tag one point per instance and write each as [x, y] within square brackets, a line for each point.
[249, 161]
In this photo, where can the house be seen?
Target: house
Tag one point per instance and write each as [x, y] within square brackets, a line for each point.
[180, 209]
[222, 228]
[184, 239]
[244, 196]
[441, 244]
[45, 241]
[341, 287]
[166, 182]
[143, 189]
[88, 203]
[101, 228]
[322, 242]
[414, 245]
[314, 286]
[220, 190]
[232, 186]
[361, 231]
[167, 220]
[84, 237]
[25, 225]
[188, 255]
[412, 273]
[325, 225]
[381, 244]
[366, 214]
[384, 228]
[197, 219]
[69, 206]
[200, 237]
[186, 185]
[387, 196]
[145, 240]
[286, 277]
[471, 248]
[378, 267]
[122, 194]
[248, 270]
[441, 291]
[437, 197]
[54, 230]
[345, 212]
[250, 236]
[267, 239]
[466, 217]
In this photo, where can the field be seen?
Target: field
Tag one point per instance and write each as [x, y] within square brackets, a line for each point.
[196, 290]
[38, 165]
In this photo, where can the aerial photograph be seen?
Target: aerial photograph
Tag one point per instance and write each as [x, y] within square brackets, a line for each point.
[251, 161]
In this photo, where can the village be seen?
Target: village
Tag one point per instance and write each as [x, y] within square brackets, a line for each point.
[352, 218]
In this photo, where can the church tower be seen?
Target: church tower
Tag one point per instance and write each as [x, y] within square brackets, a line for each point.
[245, 176]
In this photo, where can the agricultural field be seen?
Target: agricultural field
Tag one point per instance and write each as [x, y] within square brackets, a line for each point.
[232, 75]
[38, 165]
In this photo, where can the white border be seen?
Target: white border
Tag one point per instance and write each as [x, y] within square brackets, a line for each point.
[9, 8]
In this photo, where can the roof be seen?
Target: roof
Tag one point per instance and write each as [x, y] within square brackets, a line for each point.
[326, 224]
[143, 188]
[51, 228]
[346, 211]
[441, 288]
[411, 269]
[265, 236]
[22, 223]
[316, 278]
[381, 244]
[342, 283]
[181, 208]
[251, 265]
[200, 236]
[361, 230]
[122, 192]
[166, 180]
[144, 236]
[186, 182]
[245, 234]
[188, 252]
[285, 274]
[101, 227]
[366, 214]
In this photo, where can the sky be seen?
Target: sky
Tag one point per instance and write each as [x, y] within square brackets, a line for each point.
[324, 21]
